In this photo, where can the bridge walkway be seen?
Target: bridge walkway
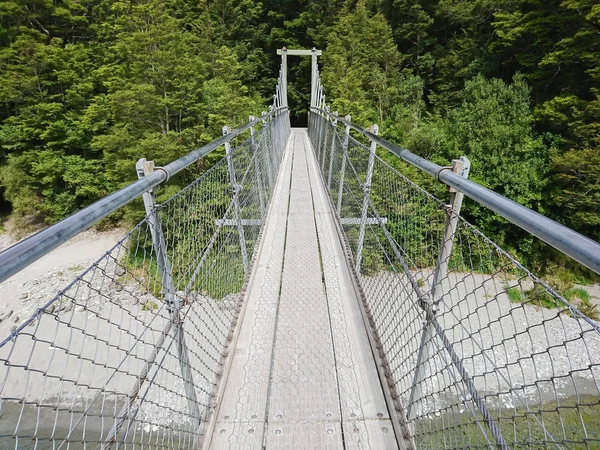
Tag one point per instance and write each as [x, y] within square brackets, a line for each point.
[302, 374]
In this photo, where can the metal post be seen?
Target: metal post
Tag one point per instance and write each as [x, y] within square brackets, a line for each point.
[320, 123]
[272, 157]
[322, 127]
[343, 169]
[255, 156]
[333, 133]
[284, 75]
[324, 149]
[365, 205]
[313, 80]
[277, 139]
[145, 168]
[459, 166]
[268, 150]
[236, 188]
[317, 114]
[279, 91]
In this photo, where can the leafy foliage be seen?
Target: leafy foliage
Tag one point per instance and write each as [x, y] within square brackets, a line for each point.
[512, 85]
[87, 88]
[80, 109]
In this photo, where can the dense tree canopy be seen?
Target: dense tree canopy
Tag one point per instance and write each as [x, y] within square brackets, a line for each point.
[87, 88]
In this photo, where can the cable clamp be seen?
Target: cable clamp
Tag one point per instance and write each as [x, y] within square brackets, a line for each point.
[162, 169]
[437, 175]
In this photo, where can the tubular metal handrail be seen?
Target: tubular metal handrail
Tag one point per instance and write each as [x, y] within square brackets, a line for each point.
[22, 254]
[582, 249]
[454, 317]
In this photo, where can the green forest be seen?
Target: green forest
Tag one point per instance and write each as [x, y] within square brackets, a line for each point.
[90, 86]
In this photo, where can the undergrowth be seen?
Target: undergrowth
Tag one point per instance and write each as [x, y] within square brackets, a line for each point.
[539, 295]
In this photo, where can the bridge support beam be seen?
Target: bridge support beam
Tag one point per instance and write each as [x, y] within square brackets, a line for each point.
[459, 166]
[284, 76]
[365, 205]
[259, 181]
[321, 122]
[324, 146]
[343, 169]
[333, 136]
[145, 168]
[269, 155]
[313, 78]
[314, 53]
[236, 189]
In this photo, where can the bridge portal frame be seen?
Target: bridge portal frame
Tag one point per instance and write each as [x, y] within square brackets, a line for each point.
[314, 53]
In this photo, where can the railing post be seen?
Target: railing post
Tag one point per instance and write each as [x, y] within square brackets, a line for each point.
[333, 133]
[324, 149]
[365, 205]
[277, 138]
[460, 166]
[284, 76]
[143, 169]
[236, 188]
[343, 169]
[269, 150]
[313, 80]
[273, 130]
[255, 156]
[321, 119]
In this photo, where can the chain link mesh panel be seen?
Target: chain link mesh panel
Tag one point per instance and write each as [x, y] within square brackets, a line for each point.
[488, 355]
[117, 360]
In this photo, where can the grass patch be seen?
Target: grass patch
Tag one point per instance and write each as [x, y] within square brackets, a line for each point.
[580, 298]
[514, 294]
[150, 306]
[577, 295]
[564, 421]
[538, 295]
[590, 311]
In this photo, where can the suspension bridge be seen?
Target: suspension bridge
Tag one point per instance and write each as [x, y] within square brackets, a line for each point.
[302, 293]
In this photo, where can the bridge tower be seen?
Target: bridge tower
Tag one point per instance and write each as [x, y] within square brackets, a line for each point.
[314, 53]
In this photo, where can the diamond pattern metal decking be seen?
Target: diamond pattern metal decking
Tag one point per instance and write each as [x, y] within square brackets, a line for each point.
[302, 375]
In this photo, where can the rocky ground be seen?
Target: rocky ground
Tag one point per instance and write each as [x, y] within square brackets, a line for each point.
[514, 337]
[100, 332]
[524, 351]
[26, 291]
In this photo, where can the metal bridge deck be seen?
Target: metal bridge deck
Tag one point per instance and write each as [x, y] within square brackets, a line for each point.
[302, 374]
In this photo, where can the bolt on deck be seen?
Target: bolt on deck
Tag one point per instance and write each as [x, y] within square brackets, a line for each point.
[302, 369]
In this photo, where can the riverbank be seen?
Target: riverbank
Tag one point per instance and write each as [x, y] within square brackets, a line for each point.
[21, 294]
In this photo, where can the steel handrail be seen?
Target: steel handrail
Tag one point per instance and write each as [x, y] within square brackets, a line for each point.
[575, 245]
[23, 253]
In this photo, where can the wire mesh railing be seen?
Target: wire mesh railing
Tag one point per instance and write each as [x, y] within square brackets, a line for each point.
[479, 352]
[129, 353]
